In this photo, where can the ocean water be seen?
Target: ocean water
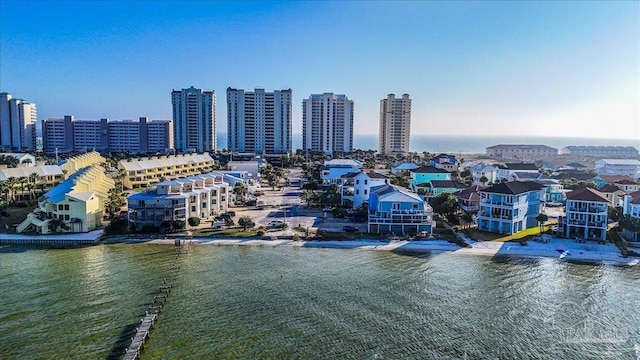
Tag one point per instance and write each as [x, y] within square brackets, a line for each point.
[250, 302]
[466, 144]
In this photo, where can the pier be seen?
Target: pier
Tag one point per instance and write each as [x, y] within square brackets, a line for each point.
[133, 352]
[164, 290]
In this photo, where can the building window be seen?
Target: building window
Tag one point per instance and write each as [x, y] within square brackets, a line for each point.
[365, 191]
[366, 181]
[193, 208]
[357, 192]
[66, 207]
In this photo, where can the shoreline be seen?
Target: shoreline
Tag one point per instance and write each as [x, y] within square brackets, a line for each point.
[598, 256]
[560, 249]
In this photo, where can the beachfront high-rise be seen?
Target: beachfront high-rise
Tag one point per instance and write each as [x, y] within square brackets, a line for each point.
[17, 123]
[258, 121]
[194, 119]
[395, 124]
[136, 137]
[327, 123]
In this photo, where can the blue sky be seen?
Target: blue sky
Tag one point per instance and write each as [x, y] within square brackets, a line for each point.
[471, 68]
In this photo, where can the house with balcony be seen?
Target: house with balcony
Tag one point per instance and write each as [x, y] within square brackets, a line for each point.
[626, 185]
[395, 210]
[356, 187]
[483, 170]
[507, 172]
[144, 172]
[75, 205]
[510, 207]
[445, 162]
[554, 191]
[586, 215]
[424, 174]
[630, 224]
[202, 196]
[332, 170]
[469, 198]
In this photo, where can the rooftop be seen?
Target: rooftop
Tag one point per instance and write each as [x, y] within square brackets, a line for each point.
[587, 194]
[514, 187]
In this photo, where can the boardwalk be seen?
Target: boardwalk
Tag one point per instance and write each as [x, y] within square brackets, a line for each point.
[141, 335]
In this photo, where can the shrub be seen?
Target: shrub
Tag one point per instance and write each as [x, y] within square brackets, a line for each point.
[261, 232]
[194, 221]
[119, 225]
[149, 229]
[178, 224]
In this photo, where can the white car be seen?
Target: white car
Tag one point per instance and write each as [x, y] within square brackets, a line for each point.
[276, 223]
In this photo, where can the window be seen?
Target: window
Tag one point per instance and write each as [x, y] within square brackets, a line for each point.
[66, 207]
[357, 192]
[365, 182]
[358, 182]
[365, 191]
[193, 208]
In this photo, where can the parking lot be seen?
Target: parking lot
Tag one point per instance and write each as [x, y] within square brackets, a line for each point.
[285, 204]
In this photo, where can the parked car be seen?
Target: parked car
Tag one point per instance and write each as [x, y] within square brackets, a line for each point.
[276, 223]
[258, 193]
[230, 213]
[350, 228]
[328, 208]
[252, 202]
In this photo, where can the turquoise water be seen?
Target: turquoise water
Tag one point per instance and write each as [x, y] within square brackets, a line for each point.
[290, 303]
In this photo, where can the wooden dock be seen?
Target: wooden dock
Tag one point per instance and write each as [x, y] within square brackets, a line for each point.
[133, 352]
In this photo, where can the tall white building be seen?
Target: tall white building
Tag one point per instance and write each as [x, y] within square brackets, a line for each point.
[194, 119]
[327, 123]
[18, 120]
[395, 124]
[259, 121]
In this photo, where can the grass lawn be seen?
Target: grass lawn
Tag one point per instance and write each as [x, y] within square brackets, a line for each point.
[16, 216]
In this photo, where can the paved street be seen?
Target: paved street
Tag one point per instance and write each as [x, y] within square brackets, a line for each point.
[285, 204]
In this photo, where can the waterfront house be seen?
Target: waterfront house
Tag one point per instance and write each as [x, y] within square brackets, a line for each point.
[425, 174]
[629, 167]
[586, 215]
[75, 205]
[510, 207]
[144, 172]
[332, 170]
[357, 186]
[403, 168]
[507, 171]
[469, 198]
[630, 224]
[396, 210]
[202, 196]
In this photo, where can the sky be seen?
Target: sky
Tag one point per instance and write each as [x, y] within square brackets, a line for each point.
[505, 68]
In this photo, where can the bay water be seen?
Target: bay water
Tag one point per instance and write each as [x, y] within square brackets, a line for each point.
[246, 302]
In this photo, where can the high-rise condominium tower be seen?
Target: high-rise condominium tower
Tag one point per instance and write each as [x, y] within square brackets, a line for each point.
[395, 124]
[259, 121]
[327, 123]
[194, 119]
[18, 120]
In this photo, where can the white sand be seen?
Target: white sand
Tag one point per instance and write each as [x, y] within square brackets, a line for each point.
[579, 252]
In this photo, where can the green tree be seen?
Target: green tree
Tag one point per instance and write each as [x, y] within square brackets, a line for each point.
[444, 204]
[541, 218]
[484, 180]
[245, 222]
[194, 221]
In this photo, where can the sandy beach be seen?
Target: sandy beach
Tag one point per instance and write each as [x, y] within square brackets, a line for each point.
[561, 249]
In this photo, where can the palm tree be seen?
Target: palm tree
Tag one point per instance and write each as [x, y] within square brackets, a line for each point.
[22, 180]
[484, 180]
[542, 218]
[240, 189]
